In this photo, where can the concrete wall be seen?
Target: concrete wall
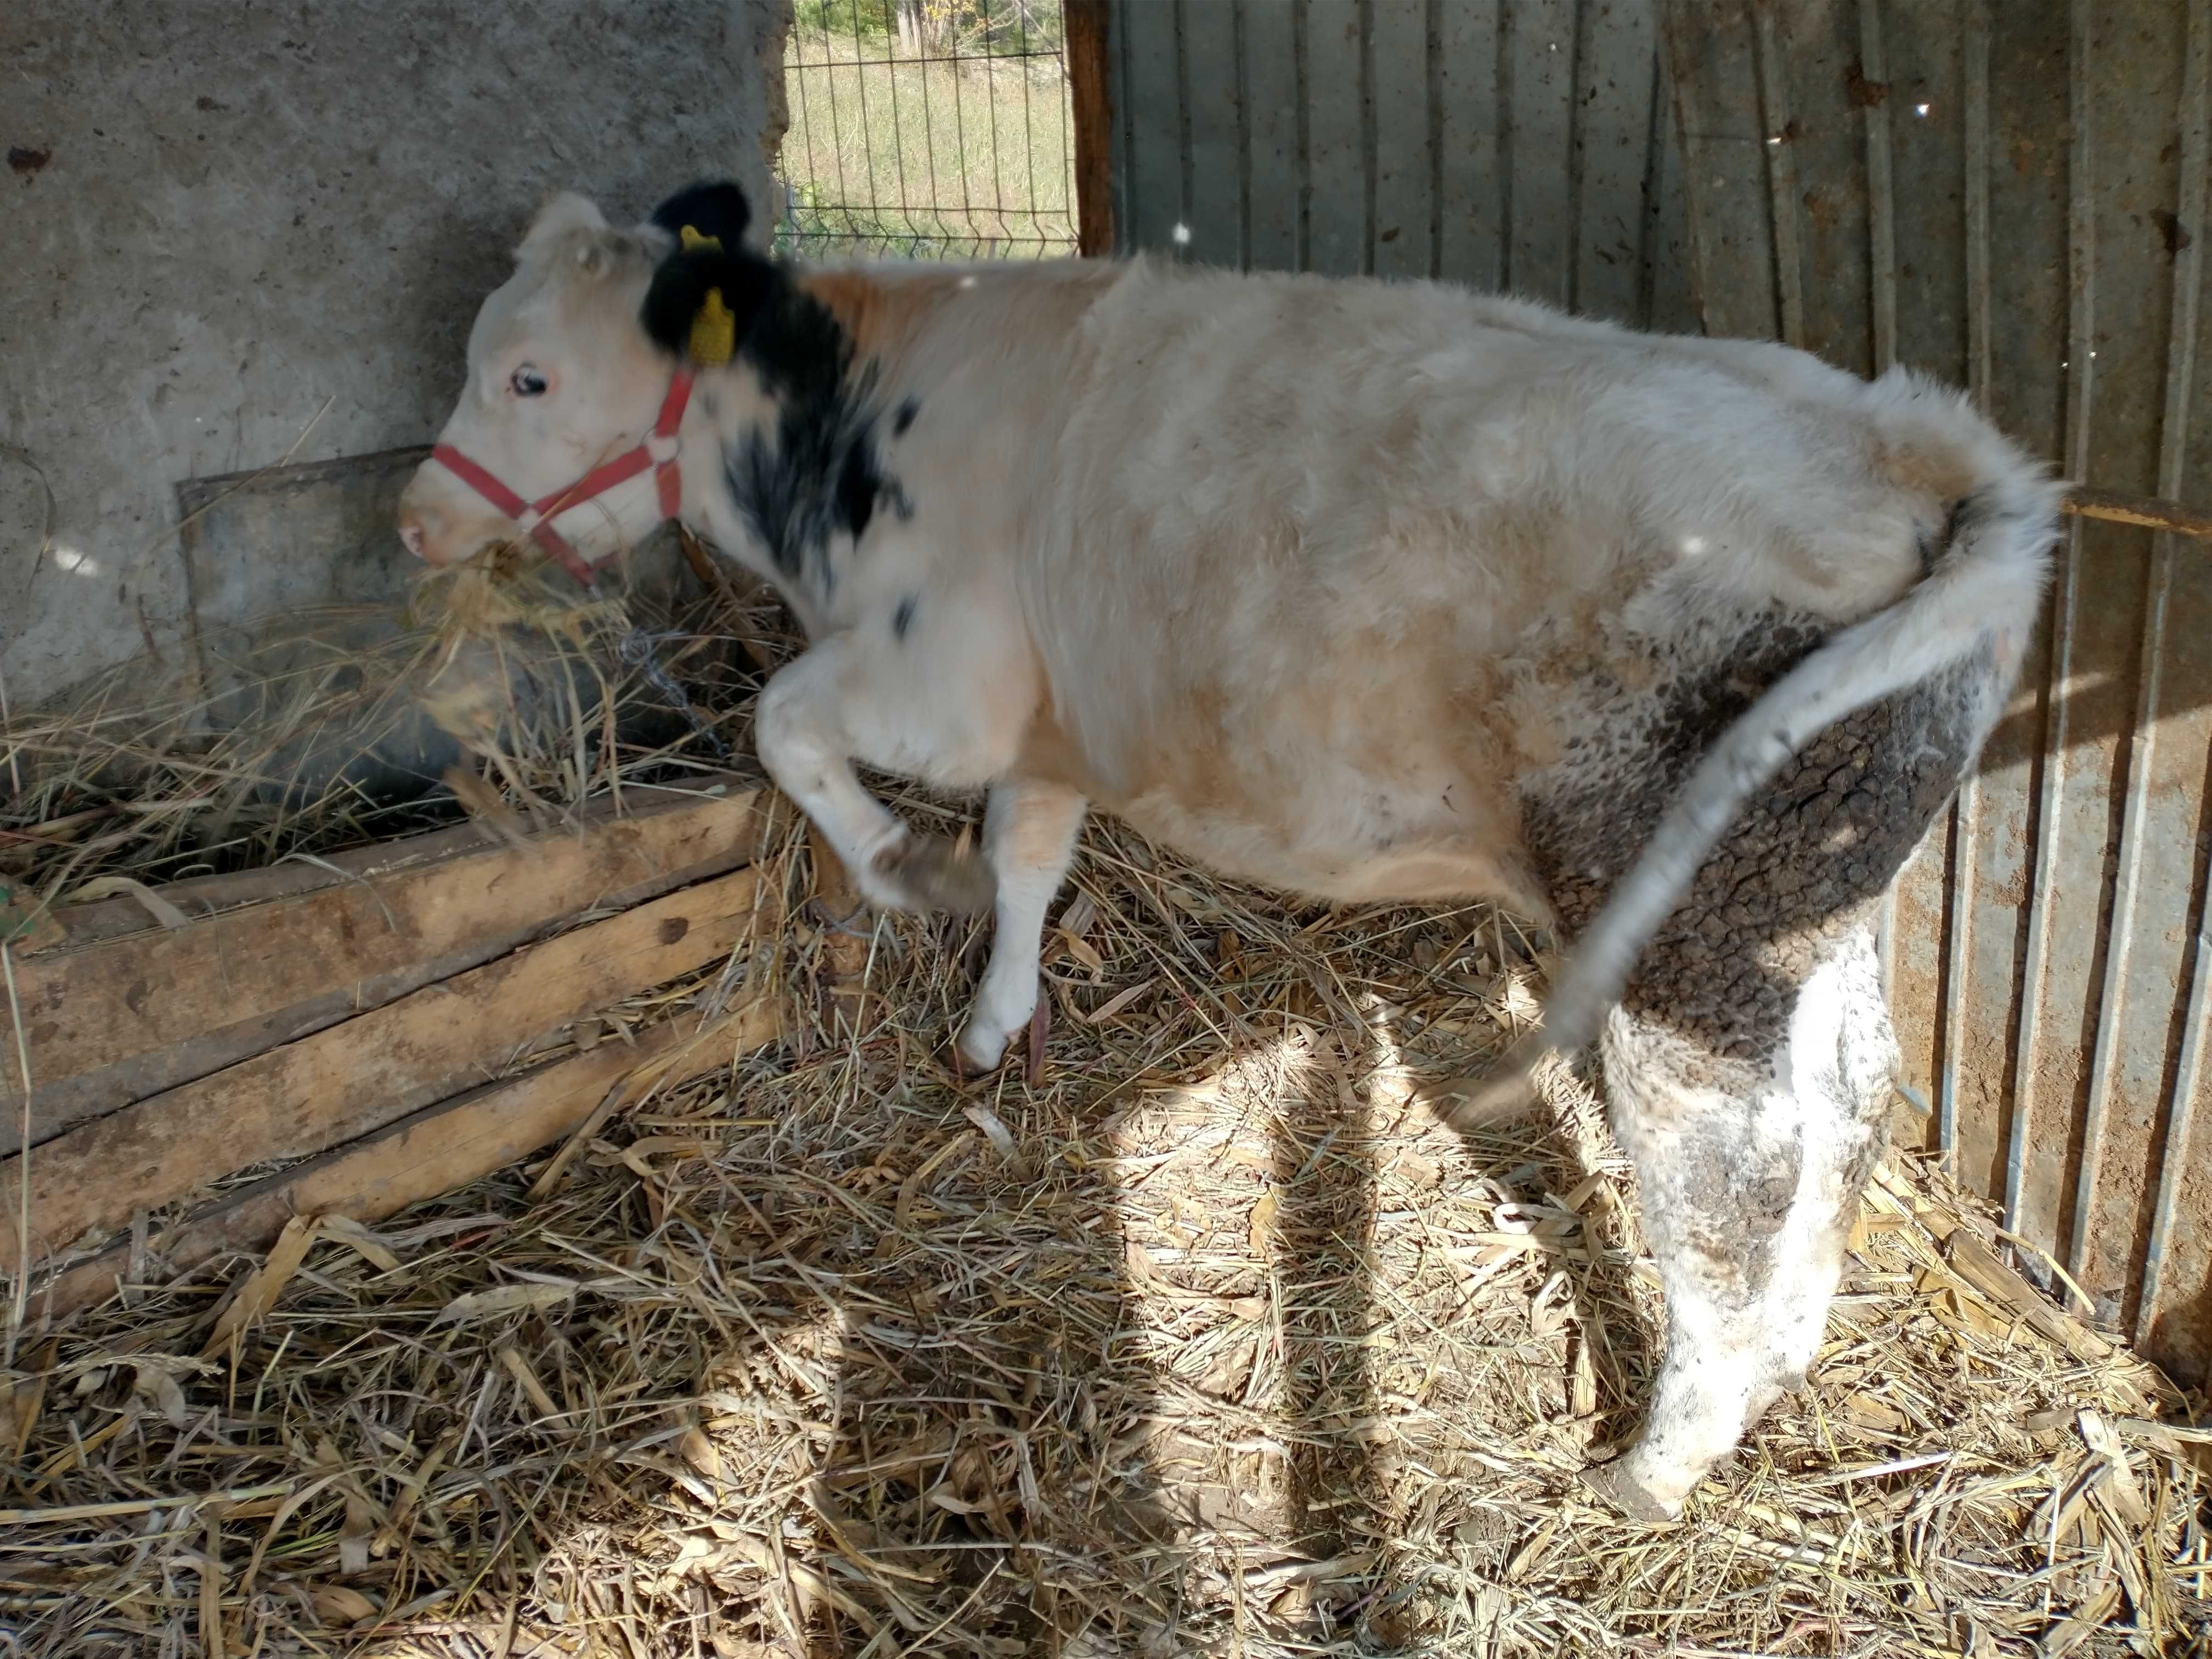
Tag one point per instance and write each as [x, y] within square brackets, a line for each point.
[230, 232]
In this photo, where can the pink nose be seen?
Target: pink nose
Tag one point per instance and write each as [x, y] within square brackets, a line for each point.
[410, 534]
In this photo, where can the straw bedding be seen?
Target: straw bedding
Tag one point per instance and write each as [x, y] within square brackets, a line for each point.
[1194, 1334]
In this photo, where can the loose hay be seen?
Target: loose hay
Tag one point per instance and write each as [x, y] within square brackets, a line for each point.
[329, 729]
[1195, 1334]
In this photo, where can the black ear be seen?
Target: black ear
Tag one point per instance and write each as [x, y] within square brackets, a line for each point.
[718, 209]
[743, 284]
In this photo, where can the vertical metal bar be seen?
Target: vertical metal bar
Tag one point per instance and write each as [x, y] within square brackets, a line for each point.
[1184, 167]
[991, 103]
[1882, 285]
[867, 150]
[1976, 68]
[2081, 316]
[1029, 122]
[1300, 54]
[2180, 1129]
[1126, 121]
[1214, 159]
[1466, 114]
[1771, 53]
[898, 149]
[1239, 25]
[799, 73]
[1881, 202]
[2181, 1107]
[1646, 219]
[929, 142]
[960, 147]
[1504, 118]
[1966, 811]
[1071, 200]
[1577, 67]
[1367, 225]
[836, 133]
[1432, 30]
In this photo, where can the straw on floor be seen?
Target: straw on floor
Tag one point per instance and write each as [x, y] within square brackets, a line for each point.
[1192, 1332]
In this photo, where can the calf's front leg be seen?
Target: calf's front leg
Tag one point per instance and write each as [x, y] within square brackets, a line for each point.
[1028, 836]
[837, 703]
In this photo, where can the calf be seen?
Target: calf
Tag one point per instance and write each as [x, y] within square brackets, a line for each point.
[1368, 591]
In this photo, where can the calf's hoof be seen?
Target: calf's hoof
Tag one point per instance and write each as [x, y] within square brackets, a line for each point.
[980, 1047]
[1616, 1483]
[926, 874]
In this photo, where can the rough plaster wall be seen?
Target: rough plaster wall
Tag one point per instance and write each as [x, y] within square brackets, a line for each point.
[246, 212]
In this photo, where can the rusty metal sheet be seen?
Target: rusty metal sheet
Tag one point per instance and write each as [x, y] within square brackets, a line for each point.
[2016, 211]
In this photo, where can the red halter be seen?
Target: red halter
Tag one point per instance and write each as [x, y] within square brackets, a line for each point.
[658, 452]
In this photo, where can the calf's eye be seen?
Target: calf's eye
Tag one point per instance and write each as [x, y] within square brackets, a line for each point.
[526, 382]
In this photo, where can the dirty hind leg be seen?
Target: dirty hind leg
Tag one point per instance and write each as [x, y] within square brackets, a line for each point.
[1750, 1177]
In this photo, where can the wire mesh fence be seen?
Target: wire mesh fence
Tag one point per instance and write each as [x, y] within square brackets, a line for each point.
[927, 129]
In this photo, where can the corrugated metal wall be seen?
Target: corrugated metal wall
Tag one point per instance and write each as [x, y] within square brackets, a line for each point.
[2008, 193]
[1509, 143]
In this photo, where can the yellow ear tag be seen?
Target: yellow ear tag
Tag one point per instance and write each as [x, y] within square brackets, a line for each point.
[714, 330]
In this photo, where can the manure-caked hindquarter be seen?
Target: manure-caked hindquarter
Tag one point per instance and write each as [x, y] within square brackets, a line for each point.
[1807, 858]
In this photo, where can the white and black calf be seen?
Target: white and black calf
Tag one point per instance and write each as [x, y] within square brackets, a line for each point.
[1370, 592]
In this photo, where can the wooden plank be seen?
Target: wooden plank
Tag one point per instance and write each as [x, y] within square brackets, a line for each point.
[438, 1150]
[1090, 101]
[125, 1020]
[311, 1095]
[88, 1008]
[203, 896]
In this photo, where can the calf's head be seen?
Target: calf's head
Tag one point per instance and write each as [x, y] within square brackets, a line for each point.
[564, 376]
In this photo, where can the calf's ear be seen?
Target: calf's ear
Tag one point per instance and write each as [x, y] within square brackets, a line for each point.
[706, 295]
[703, 302]
[716, 209]
[565, 212]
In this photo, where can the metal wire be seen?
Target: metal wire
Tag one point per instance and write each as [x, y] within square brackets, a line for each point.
[922, 192]
[641, 650]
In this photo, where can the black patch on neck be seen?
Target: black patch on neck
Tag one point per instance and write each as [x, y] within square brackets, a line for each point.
[819, 471]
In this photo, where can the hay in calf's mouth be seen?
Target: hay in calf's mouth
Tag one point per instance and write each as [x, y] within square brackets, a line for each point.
[1194, 1334]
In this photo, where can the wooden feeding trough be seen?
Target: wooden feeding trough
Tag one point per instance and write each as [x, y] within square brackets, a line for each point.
[380, 1026]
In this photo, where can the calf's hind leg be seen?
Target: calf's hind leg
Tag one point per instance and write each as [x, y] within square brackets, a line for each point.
[1750, 1175]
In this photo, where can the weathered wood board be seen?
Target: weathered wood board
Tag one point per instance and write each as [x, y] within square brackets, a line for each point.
[356, 1077]
[427, 1153]
[118, 1019]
